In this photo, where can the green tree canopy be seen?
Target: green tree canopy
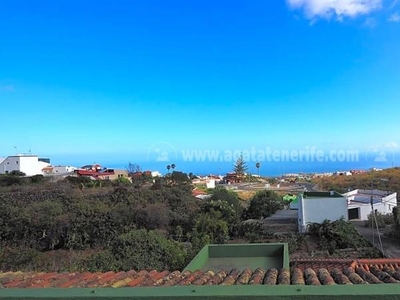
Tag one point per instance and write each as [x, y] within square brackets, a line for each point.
[240, 167]
[263, 204]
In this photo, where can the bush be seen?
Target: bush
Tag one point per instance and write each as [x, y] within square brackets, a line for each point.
[141, 249]
[382, 220]
[337, 235]
[263, 204]
[16, 259]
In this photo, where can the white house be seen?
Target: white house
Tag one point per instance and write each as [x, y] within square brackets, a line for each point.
[63, 169]
[359, 203]
[210, 183]
[28, 164]
[155, 174]
[315, 207]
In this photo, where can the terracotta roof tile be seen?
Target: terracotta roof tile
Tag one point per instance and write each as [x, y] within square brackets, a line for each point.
[271, 277]
[302, 272]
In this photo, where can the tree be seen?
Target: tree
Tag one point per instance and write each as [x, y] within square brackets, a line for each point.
[263, 204]
[173, 167]
[132, 168]
[258, 165]
[180, 178]
[168, 168]
[230, 197]
[228, 214]
[240, 167]
[211, 224]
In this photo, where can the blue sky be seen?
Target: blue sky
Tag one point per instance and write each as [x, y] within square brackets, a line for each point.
[107, 80]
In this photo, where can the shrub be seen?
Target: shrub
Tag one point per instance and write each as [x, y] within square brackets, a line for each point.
[263, 204]
[381, 219]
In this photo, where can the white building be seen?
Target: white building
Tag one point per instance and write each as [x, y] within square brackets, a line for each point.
[28, 164]
[210, 183]
[315, 207]
[359, 203]
[155, 174]
[63, 169]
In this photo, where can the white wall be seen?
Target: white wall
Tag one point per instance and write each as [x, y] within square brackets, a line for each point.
[365, 209]
[29, 164]
[385, 205]
[316, 210]
[11, 163]
[210, 183]
[63, 169]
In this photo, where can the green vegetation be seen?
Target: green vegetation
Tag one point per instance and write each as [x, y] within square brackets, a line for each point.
[78, 224]
[240, 167]
[337, 235]
[83, 224]
[382, 220]
[16, 178]
[264, 204]
[89, 218]
[366, 180]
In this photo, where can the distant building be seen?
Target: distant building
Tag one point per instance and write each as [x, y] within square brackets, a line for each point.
[63, 169]
[232, 178]
[361, 202]
[26, 163]
[97, 172]
[200, 194]
[342, 173]
[210, 183]
[155, 174]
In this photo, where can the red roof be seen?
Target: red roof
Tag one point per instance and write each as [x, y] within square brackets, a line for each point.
[198, 192]
[308, 272]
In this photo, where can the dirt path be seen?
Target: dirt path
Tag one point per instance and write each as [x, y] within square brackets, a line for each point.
[391, 248]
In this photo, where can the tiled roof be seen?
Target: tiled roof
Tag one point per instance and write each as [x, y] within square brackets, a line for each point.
[319, 263]
[302, 272]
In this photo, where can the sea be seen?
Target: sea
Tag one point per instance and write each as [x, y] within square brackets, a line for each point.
[267, 168]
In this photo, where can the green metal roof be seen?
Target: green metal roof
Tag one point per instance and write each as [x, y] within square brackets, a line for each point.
[241, 256]
[362, 292]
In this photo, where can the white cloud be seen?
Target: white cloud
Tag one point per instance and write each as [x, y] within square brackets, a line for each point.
[394, 17]
[335, 8]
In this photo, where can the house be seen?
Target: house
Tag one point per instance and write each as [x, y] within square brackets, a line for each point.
[315, 207]
[362, 202]
[232, 178]
[26, 163]
[200, 194]
[210, 183]
[96, 172]
[155, 174]
[63, 169]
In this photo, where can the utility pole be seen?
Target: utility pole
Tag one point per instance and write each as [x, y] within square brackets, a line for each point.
[374, 219]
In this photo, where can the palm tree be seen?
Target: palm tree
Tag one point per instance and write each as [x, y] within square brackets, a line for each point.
[258, 165]
[168, 168]
[173, 167]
